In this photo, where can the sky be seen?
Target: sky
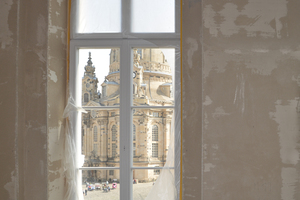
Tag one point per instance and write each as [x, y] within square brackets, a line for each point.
[104, 16]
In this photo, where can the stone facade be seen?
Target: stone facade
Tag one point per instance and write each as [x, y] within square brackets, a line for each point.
[152, 86]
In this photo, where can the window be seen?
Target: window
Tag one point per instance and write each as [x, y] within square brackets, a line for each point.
[134, 134]
[156, 171]
[154, 133]
[95, 134]
[114, 133]
[114, 152]
[139, 41]
[134, 152]
[154, 150]
[111, 172]
[86, 97]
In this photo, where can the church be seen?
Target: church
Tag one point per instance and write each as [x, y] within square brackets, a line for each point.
[152, 86]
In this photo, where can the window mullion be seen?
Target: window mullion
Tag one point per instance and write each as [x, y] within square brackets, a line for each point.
[125, 122]
[126, 18]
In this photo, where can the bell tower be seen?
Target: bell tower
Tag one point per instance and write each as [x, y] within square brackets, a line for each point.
[89, 83]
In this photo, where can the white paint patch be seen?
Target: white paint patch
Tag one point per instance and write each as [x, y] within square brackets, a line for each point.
[288, 131]
[52, 29]
[193, 47]
[239, 96]
[215, 146]
[52, 75]
[289, 177]
[207, 101]
[5, 33]
[59, 2]
[63, 38]
[10, 187]
[219, 111]
[55, 147]
[188, 177]
[233, 51]
[208, 166]
[260, 50]
[254, 18]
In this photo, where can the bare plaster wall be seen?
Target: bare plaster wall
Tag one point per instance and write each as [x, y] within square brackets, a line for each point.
[32, 87]
[250, 90]
[192, 99]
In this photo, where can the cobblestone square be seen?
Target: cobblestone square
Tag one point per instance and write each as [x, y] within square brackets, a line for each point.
[140, 192]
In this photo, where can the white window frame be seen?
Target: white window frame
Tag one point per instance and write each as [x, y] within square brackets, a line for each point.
[126, 41]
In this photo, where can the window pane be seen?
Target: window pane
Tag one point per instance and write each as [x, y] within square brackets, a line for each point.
[101, 184]
[153, 76]
[100, 138]
[153, 137]
[145, 180]
[99, 16]
[153, 16]
[99, 71]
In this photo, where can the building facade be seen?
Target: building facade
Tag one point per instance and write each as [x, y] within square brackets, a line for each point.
[152, 86]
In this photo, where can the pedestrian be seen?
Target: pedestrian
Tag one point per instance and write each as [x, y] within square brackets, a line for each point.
[85, 192]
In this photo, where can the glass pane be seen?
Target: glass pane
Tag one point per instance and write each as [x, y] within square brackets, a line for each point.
[101, 184]
[147, 183]
[99, 71]
[153, 77]
[99, 16]
[153, 143]
[153, 16]
[100, 138]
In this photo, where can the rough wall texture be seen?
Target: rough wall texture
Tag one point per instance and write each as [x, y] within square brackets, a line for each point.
[25, 56]
[56, 93]
[251, 76]
[192, 99]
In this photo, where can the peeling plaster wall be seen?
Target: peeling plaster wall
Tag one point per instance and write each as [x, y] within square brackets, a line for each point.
[56, 87]
[30, 59]
[245, 57]
[192, 99]
[250, 90]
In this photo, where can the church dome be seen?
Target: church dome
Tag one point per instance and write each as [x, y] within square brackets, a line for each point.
[151, 59]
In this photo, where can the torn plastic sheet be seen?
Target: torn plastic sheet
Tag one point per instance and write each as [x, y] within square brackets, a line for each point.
[71, 161]
[164, 187]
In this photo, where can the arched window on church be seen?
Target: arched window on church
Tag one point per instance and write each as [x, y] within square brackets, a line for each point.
[133, 89]
[86, 97]
[154, 133]
[114, 133]
[95, 134]
[134, 135]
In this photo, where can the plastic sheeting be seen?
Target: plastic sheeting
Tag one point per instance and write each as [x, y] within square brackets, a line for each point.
[71, 161]
[165, 187]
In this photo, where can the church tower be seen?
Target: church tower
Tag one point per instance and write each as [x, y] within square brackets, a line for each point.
[89, 83]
